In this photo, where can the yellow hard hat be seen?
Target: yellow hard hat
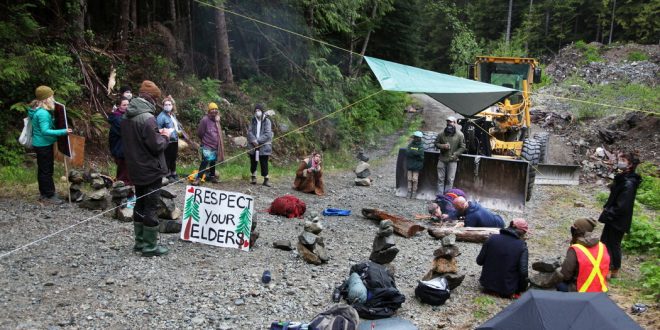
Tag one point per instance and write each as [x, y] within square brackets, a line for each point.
[213, 106]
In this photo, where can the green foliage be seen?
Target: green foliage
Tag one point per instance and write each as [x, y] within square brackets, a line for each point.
[644, 235]
[651, 278]
[484, 307]
[636, 56]
[601, 197]
[648, 192]
[590, 52]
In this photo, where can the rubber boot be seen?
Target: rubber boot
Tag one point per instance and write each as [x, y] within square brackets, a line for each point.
[152, 248]
[139, 240]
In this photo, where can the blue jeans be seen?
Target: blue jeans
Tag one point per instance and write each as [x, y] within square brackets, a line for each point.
[203, 168]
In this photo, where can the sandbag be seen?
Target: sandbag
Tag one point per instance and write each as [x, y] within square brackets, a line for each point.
[288, 205]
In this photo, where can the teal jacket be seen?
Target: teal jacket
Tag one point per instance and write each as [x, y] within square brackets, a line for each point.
[44, 133]
[415, 156]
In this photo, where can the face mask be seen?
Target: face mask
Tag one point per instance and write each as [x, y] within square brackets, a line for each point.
[128, 95]
[258, 114]
[622, 165]
[167, 108]
[450, 129]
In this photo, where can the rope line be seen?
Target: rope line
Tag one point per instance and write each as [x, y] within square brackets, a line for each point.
[313, 122]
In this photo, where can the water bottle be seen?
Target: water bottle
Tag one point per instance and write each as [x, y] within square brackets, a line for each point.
[265, 278]
[336, 295]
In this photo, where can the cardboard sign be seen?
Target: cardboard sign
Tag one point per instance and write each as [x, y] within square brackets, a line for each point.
[77, 147]
[216, 217]
[61, 122]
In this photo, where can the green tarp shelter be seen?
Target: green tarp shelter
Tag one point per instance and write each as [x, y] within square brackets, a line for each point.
[464, 96]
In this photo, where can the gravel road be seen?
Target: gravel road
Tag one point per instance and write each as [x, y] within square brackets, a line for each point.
[87, 276]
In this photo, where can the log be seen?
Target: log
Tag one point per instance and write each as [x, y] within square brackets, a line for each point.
[464, 234]
[403, 227]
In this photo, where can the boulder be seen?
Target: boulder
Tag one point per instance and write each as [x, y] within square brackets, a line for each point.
[382, 243]
[99, 194]
[385, 256]
[365, 182]
[169, 226]
[121, 192]
[447, 252]
[166, 208]
[308, 255]
[307, 238]
[314, 227]
[76, 177]
[547, 265]
[254, 233]
[124, 214]
[449, 240]
[454, 280]
[361, 167]
[240, 141]
[283, 245]
[166, 193]
[364, 174]
[541, 280]
[442, 265]
[91, 204]
[362, 157]
[98, 183]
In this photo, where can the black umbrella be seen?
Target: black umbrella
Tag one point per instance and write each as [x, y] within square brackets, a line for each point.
[538, 309]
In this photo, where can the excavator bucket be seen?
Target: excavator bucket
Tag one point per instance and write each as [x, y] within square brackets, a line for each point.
[496, 183]
[428, 176]
[551, 174]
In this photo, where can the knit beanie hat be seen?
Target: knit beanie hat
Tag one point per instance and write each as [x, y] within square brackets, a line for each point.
[585, 225]
[124, 89]
[43, 92]
[259, 106]
[148, 87]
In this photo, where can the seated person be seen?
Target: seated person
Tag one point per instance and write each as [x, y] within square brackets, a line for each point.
[504, 259]
[586, 264]
[309, 178]
[475, 215]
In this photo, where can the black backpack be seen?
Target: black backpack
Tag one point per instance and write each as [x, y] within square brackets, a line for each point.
[384, 298]
[433, 292]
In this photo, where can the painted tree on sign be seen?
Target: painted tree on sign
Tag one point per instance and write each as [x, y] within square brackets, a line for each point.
[244, 225]
[190, 212]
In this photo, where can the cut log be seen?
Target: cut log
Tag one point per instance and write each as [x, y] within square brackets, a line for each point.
[403, 227]
[464, 234]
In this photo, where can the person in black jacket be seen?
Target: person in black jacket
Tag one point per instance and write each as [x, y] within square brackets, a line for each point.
[114, 140]
[414, 162]
[504, 258]
[618, 210]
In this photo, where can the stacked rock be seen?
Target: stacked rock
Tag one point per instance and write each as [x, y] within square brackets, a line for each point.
[99, 198]
[310, 244]
[254, 233]
[120, 192]
[75, 188]
[444, 263]
[544, 272]
[383, 250]
[168, 212]
[362, 171]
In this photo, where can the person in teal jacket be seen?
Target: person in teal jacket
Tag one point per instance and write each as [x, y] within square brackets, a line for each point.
[414, 162]
[44, 135]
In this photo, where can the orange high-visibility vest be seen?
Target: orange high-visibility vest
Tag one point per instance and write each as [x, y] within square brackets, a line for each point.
[593, 266]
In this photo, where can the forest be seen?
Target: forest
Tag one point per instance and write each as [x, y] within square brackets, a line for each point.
[303, 58]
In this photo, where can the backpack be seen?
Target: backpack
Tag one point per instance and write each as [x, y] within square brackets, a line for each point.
[26, 135]
[383, 298]
[288, 205]
[338, 317]
[433, 292]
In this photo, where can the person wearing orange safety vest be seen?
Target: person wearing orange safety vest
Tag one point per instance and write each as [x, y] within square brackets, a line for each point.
[587, 261]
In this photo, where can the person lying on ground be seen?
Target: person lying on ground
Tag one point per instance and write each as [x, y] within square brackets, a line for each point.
[445, 203]
[504, 258]
[474, 215]
[309, 177]
[586, 264]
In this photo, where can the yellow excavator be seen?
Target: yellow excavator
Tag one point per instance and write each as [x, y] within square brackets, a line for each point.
[503, 159]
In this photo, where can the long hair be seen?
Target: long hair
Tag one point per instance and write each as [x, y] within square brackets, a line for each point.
[48, 104]
[171, 99]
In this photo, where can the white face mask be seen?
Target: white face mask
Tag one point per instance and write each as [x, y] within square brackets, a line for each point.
[167, 108]
[258, 113]
[128, 95]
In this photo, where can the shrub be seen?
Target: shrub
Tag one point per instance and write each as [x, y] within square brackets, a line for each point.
[651, 278]
[644, 235]
[590, 52]
[648, 192]
[635, 56]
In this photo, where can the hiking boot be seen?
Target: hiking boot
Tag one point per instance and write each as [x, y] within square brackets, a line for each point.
[253, 180]
[267, 183]
[213, 179]
[151, 248]
[195, 182]
[53, 200]
[139, 240]
[614, 273]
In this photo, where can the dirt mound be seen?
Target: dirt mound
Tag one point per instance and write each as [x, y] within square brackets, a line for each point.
[607, 64]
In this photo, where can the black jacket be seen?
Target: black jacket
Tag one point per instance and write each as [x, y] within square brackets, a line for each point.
[618, 210]
[114, 136]
[504, 260]
[143, 145]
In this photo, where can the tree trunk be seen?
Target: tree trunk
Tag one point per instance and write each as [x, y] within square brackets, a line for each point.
[134, 19]
[612, 22]
[224, 59]
[547, 22]
[124, 20]
[190, 36]
[508, 23]
[464, 234]
[403, 227]
[79, 23]
[366, 39]
[175, 29]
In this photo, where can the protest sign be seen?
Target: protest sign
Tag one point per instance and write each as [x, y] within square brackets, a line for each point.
[216, 217]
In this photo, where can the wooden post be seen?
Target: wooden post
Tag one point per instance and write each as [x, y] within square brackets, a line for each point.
[66, 173]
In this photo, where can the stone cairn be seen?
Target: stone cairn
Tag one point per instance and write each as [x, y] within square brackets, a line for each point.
[544, 270]
[383, 249]
[120, 192]
[310, 244]
[168, 212]
[75, 188]
[254, 233]
[99, 198]
[444, 263]
[362, 171]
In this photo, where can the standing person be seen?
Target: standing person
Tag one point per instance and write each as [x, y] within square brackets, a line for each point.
[504, 258]
[44, 135]
[212, 149]
[618, 210]
[167, 119]
[114, 140]
[309, 176]
[126, 92]
[451, 144]
[260, 135]
[144, 146]
[414, 162]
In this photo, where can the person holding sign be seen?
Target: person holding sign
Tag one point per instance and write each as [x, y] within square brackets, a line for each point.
[144, 146]
[44, 135]
[212, 150]
[309, 178]
[260, 136]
